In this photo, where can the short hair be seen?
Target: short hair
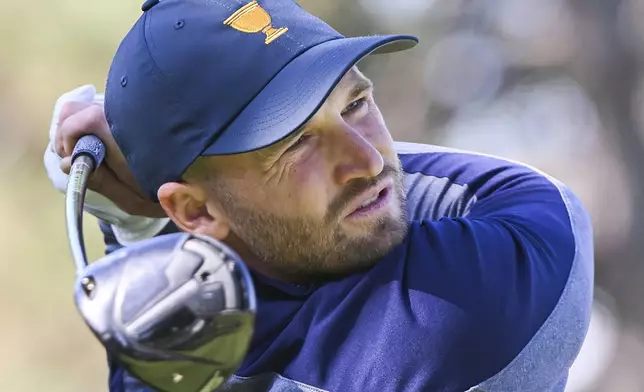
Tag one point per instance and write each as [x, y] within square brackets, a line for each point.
[201, 170]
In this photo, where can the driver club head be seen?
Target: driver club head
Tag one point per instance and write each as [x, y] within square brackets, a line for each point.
[177, 311]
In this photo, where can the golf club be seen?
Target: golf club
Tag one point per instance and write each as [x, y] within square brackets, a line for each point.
[177, 311]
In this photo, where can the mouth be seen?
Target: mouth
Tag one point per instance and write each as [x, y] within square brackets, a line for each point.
[372, 202]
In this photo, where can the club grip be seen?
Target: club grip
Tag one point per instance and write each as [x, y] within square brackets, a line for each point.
[92, 147]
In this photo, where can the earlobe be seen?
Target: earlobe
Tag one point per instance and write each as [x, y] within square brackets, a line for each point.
[188, 207]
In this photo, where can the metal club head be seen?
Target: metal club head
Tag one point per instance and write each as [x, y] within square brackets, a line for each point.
[177, 311]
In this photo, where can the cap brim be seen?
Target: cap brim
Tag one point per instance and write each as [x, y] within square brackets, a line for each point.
[296, 93]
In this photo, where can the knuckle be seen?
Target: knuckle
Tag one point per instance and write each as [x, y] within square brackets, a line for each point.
[69, 109]
[66, 110]
[95, 117]
[60, 150]
[86, 120]
[69, 126]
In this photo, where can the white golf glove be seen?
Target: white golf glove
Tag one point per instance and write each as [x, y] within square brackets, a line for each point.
[127, 228]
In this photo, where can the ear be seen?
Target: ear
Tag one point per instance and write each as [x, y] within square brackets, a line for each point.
[189, 208]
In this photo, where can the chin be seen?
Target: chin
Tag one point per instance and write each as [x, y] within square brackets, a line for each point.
[352, 254]
[382, 237]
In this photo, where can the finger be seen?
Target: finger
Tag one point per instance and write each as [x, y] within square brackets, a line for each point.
[70, 108]
[90, 120]
[67, 110]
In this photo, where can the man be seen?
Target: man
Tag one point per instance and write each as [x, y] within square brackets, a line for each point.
[379, 266]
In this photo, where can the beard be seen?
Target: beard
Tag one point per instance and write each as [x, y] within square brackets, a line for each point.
[307, 249]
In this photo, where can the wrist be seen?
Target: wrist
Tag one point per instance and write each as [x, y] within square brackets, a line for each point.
[138, 228]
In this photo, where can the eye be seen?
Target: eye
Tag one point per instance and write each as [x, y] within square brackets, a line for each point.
[354, 106]
[299, 142]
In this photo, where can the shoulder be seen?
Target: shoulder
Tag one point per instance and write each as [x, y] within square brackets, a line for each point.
[509, 243]
[446, 182]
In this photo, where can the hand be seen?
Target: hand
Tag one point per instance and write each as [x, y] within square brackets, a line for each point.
[113, 179]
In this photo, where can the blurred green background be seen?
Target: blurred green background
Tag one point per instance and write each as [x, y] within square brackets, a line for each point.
[47, 48]
[558, 84]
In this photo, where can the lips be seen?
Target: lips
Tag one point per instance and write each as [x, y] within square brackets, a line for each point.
[370, 198]
[366, 203]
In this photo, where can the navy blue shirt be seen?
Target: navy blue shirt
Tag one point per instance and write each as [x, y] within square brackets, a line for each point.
[491, 290]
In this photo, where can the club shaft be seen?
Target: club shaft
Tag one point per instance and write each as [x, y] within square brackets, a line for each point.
[75, 198]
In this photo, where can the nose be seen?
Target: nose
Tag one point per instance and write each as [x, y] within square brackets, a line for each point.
[357, 157]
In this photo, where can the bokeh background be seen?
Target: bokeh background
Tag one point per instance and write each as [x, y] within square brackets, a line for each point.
[558, 84]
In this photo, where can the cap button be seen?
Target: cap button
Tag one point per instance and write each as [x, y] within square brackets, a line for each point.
[149, 4]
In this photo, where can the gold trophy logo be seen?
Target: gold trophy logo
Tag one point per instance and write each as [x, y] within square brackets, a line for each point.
[252, 18]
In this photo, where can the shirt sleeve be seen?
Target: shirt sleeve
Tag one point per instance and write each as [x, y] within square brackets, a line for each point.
[512, 248]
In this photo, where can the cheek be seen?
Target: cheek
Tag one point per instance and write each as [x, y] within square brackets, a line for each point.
[307, 191]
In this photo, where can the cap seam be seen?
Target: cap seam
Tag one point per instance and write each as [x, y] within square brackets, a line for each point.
[287, 35]
[149, 44]
[123, 146]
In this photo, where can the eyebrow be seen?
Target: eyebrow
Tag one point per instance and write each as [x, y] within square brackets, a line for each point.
[268, 153]
[360, 86]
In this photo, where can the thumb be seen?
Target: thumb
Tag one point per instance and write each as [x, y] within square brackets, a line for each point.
[96, 179]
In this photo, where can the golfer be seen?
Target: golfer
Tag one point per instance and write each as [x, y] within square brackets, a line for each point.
[379, 265]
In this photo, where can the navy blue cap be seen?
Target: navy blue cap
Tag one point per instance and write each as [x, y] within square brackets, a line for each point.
[214, 77]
